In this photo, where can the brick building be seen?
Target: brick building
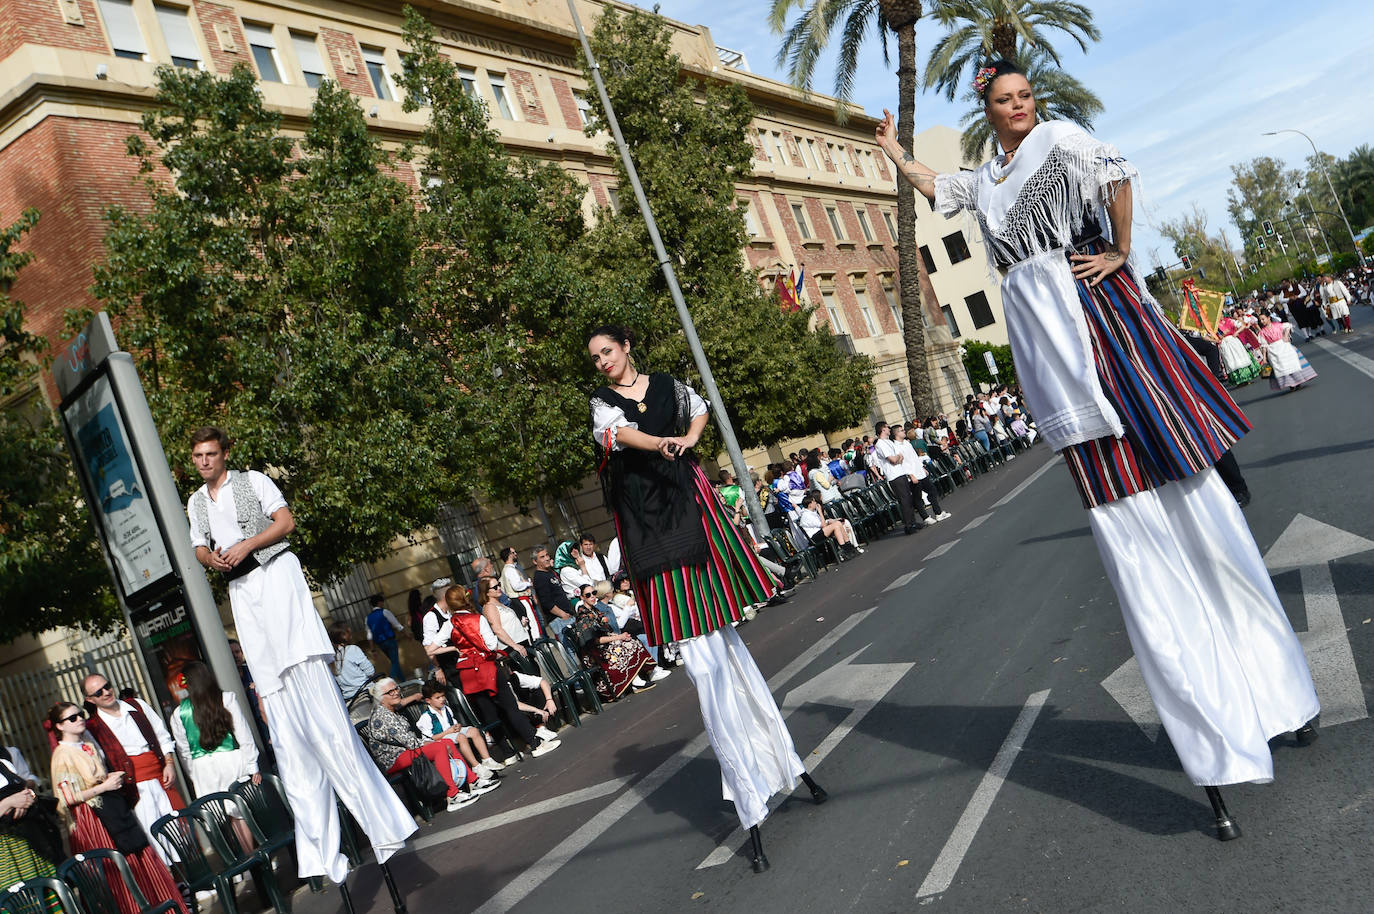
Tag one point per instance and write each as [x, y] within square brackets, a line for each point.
[75, 75]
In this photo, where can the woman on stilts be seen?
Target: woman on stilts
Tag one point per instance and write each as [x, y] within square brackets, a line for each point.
[1140, 421]
[693, 575]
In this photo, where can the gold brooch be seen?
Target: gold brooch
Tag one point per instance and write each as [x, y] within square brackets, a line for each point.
[642, 407]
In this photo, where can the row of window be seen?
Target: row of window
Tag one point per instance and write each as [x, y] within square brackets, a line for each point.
[773, 145]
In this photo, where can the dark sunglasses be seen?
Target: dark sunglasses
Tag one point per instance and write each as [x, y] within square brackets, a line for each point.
[100, 691]
[588, 593]
[71, 717]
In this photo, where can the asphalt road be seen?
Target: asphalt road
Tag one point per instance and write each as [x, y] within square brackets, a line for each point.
[974, 758]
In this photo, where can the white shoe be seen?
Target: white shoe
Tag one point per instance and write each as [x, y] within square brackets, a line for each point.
[929, 521]
[491, 764]
[1011, 456]
[482, 787]
[639, 681]
[545, 733]
[461, 800]
[943, 515]
[546, 747]
[660, 673]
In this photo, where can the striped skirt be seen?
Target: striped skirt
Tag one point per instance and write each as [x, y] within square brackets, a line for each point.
[692, 600]
[1178, 419]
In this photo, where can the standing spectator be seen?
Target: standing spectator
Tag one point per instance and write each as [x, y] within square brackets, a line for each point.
[915, 467]
[383, 630]
[553, 600]
[213, 739]
[891, 459]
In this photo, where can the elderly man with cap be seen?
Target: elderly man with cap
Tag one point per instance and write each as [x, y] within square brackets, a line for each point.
[439, 650]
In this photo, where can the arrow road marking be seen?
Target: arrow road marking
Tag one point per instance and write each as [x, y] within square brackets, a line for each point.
[903, 580]
[848, 684]
[941, 875]
[1308, 545]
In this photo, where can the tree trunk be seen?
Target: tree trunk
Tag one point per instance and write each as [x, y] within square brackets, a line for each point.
[908, 252]
[1003, 41]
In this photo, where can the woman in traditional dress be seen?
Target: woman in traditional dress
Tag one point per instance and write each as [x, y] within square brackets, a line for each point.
[1140, 420]
[1289, 365]
[693, 573]
[621, 660]
[1240, 366]
[30, 837]
[99, 806]
[213, 739]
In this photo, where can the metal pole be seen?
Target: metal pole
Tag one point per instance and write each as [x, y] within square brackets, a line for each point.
[708, 380]
[1329, 186]
[1312, 211]
[1303, 222]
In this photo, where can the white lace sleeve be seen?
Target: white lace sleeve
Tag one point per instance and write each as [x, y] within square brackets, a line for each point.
[606, 420]
[955, 192]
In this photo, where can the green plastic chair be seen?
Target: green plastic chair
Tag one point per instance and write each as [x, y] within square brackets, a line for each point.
[215, 812]
[185, 834]
[91, 875]
[35, 896]
[570, 671]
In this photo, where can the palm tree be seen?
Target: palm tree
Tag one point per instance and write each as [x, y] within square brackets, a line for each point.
[1058, 96]
[802, 45]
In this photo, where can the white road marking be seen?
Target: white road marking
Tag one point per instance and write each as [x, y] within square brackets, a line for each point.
[1356, 361]
[521, 886]
[941, 875]
[976, 522]
[940, 550]
[1027, 483]
[595, 792]
[903, 580]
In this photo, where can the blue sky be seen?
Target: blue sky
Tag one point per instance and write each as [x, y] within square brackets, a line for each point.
[1189, 87]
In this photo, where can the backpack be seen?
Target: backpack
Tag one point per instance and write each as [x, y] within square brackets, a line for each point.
[381, 629]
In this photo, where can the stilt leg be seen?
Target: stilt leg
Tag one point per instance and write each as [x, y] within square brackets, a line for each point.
[817, 791]
[347, 898]
[397, 902]
[759, 861]
[1306, 735]
[1227, 829]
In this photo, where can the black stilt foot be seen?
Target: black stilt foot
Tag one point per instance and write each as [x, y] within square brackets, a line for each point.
[347, 898]
[397, 902]
[1306, 735]
[817, 791]
[759, 861]
[1227, 829]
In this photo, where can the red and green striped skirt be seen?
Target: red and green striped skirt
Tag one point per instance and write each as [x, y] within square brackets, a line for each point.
[693, 600]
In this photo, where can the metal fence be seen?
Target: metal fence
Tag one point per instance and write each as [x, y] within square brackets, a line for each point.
[26, 697]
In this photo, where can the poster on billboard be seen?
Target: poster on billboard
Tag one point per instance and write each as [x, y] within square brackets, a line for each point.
[116, 491]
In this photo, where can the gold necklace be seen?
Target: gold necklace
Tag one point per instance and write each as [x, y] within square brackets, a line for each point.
[1006, 162]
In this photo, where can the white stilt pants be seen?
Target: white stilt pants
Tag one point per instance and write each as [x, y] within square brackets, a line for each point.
[320, 754]
[743, 723]
[1221, 661]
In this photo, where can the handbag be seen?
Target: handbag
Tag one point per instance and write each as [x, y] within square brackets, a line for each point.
[424, 777]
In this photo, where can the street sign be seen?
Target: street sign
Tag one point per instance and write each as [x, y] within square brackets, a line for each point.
[991, 362]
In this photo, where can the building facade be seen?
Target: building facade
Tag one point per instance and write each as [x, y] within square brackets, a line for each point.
[75, 76]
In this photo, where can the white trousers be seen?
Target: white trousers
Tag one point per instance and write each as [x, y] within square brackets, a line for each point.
[1221, 661]
[153, 803]
[320, 755]
[743, 722]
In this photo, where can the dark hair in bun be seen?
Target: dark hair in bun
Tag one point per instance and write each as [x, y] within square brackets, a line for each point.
[622, 335]
[999, 69]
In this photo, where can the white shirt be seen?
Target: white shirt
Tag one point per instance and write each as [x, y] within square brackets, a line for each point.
[608, 418]
[574, 579]
[125, 729]
[884, 449]
[433, 622]
[513, 580]
[613, 556]
[811, 521]
[248, 749]
[912, 464]
[19, 764]
[1335, 290]
[625, 608]
[224, 522]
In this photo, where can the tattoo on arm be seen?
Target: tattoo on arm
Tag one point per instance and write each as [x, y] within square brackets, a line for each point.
[908, 158]
[1112, 256]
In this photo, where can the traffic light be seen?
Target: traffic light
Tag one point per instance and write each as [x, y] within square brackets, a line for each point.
[1187, 262]
[1261, 244]
[1268, 227]
[1254, 268]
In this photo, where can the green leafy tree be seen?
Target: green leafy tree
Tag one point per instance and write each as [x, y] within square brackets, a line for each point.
[499, 290]
[778, 377]
[1190, 236]
[265, 290]
[977, 367]
[51, 572]
[1259, 190]
[803, 44]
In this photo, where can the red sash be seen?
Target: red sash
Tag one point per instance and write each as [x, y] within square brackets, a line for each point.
[477, 665]
[148, 767]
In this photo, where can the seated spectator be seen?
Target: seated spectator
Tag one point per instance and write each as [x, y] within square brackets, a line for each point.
[395, 745]
[982, 427]
[838, 468]
[352, 670]
[820, 479]
[817, 527]
[1022, 430]
[578, 564]
[622, 605]
[622, 662]
[504, 621]
[438, 722]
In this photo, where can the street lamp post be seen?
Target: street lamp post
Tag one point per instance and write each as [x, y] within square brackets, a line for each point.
[1329, 186]
[1312, 211]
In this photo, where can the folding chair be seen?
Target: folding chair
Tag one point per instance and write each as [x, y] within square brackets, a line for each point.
[91, 876]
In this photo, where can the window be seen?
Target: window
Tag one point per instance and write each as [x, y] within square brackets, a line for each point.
[949, 319]
[308, 56]
[832, 310]
[799, 212]
[837, 155]
[979, 310]
[122, 27]
[468, 80]
[863, 224]
[813, 155]
[376, 69]
[927, 260]
[891, 226]
[613, 195]
[872, 166]
[781, 147]
[751, 223]
[885, 292]
[866, 309]
[833, 215]
[903, 399]
[498, 89]
[956, 248]
[176, 30]
[763, 144]
[264, 49]
[584, 109]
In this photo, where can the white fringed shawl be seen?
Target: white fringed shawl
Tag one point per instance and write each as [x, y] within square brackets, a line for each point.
[1060, 179]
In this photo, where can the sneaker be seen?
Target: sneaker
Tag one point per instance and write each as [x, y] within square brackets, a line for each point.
[943, 515]
[659, 673]
[545, 733]
[640, 682]
[460, 800]
[545, 747]
[491, 764]
[482, 787]
[929, 521]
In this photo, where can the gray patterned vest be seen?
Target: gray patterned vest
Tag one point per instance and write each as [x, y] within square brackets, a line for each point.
[247, 510]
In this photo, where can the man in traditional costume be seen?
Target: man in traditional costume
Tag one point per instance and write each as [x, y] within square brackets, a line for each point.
[1140, 422]
[239, 525]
